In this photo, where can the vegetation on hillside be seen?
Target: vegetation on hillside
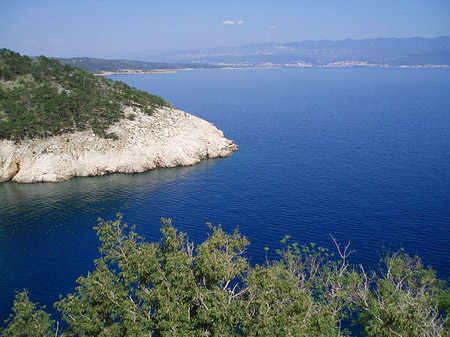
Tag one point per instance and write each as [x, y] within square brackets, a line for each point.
[40, 97]
[97, 66]
[174, 288]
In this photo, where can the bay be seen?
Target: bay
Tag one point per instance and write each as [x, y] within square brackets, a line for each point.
[361, 154]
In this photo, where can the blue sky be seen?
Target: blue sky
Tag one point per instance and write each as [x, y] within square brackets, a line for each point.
[137, 28]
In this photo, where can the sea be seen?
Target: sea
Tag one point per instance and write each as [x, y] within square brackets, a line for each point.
[359, 155]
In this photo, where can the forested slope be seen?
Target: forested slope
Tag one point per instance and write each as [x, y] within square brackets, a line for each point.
[98, 66]
[40, 97]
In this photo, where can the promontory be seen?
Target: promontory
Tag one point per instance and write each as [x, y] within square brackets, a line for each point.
[58, 122]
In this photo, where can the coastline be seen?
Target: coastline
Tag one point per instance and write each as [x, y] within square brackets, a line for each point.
[350, 65]
[137, 71]
[167, 138]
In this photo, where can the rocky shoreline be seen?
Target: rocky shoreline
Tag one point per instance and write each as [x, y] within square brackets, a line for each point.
[167, 138]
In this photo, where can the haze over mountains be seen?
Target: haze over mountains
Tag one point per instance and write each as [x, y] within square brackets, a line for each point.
[382, 51]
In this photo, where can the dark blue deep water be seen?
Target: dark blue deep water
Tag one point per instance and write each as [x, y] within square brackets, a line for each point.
[362, 154]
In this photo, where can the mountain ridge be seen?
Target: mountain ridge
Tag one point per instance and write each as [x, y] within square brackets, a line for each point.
[390, 51]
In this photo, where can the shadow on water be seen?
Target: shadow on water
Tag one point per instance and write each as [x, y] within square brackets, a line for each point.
[46, 235]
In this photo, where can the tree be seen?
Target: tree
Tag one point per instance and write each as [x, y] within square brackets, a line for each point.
[174, 288]
[405, 301]
[41, 98]
[28, 320]
[158, 288]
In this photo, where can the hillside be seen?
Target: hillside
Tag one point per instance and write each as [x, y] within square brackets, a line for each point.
[58, 122]
[101, 66]
[40, 97]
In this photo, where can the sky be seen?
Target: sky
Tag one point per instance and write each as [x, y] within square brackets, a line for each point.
[137, 29]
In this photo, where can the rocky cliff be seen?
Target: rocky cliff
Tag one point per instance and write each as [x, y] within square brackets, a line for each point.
[167, 138]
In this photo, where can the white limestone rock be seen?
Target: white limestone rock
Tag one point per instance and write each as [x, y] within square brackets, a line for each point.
[167, 138]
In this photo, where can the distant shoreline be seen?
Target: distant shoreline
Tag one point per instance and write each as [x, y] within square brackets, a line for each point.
[275, 66]
[173, 71]
[133, 72]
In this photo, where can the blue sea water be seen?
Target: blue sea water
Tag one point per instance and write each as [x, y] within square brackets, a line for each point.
[361, 154]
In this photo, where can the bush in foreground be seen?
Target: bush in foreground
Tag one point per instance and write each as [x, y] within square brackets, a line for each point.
[172, 288]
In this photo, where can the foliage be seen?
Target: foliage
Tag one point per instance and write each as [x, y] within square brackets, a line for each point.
[405, 301]
[40, 97]
[158, 288]
[27, 320]
[97, 66]
[174, 288]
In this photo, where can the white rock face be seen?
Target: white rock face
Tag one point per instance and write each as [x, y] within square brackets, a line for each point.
[168, 138]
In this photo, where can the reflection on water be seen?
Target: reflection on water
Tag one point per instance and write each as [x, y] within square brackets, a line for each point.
[22, 203]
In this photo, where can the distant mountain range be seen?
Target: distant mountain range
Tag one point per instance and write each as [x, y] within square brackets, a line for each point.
[375, 52]
[382, 52]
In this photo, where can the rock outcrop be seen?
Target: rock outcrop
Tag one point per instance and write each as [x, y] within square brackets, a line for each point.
[167, 138]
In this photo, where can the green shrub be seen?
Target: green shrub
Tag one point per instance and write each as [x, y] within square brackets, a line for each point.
[174, 288]
[40, 98]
